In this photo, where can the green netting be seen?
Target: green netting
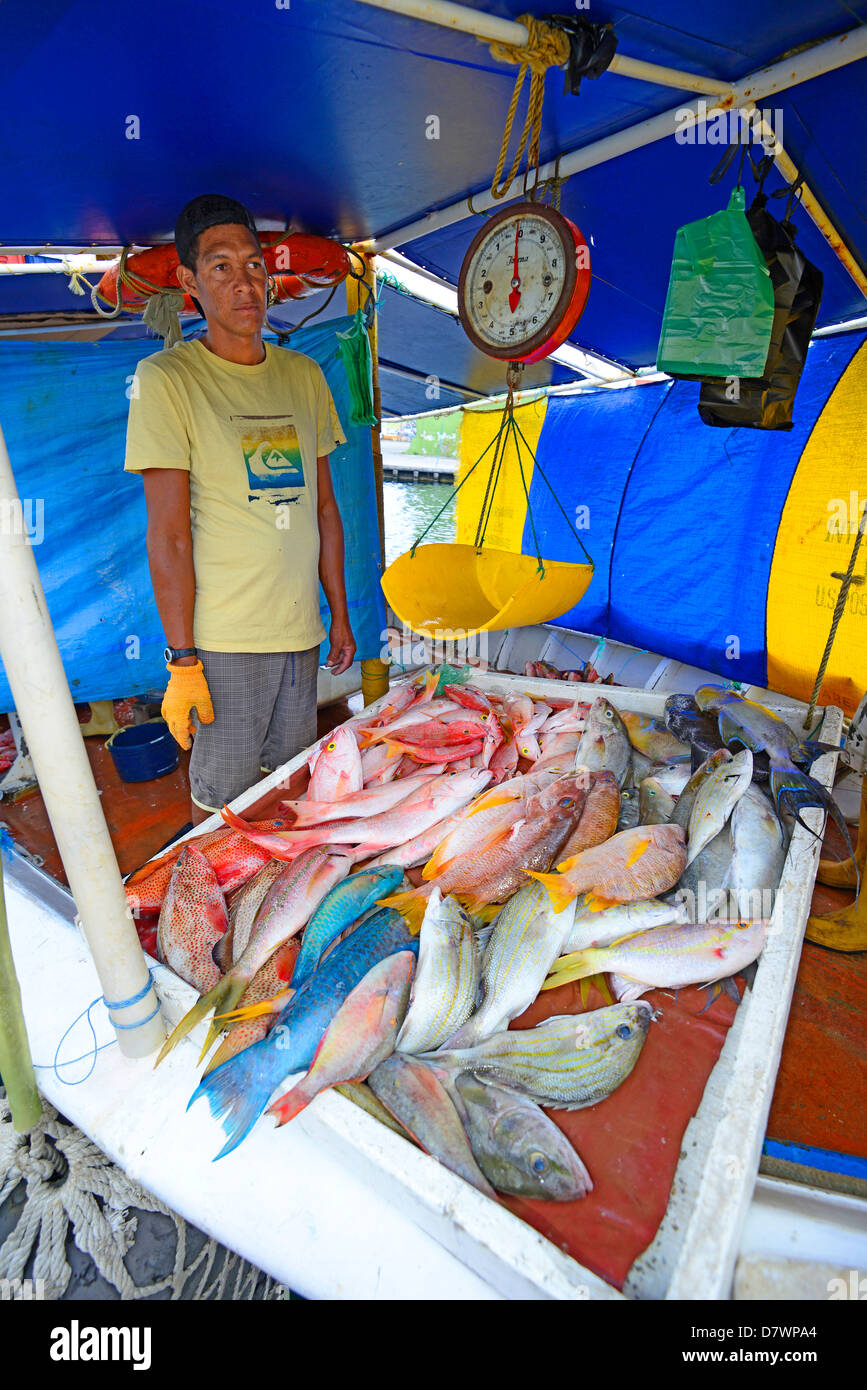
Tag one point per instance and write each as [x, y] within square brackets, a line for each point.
[355, 351]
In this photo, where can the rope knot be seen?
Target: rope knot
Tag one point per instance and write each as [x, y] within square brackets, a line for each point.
[547, 47]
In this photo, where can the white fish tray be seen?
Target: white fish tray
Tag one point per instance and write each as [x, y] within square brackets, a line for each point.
[336, 1205]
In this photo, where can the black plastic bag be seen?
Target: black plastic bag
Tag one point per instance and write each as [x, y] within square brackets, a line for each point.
[766, 402]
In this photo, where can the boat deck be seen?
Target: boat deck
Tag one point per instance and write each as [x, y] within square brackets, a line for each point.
[820, 1099]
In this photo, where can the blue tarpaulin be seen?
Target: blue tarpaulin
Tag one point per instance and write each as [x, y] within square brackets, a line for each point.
[63, 408]
[682, 522]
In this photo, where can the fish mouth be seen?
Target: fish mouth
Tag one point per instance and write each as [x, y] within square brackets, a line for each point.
[646, 1016]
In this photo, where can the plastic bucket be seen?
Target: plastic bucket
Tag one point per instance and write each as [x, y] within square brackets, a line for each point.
[143, 751]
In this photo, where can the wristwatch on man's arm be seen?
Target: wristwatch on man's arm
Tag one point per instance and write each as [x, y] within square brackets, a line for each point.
[173, 654]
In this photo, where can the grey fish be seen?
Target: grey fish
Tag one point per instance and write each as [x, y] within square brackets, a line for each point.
[605, 742]
[683, 807]
[526, 938]
[567, 1062]
[629, 809]
[446, 981]
[518, 1148]
[624, 919]
[701, 890]
[655, 804]
[759, 851]
[361, 1095]
[758, 729]
[417, 1099]
[715, 800]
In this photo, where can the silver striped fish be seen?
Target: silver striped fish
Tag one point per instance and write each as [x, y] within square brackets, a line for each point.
[567, 1062]
[526, 938]
[714, 801]
[446, 981]
[624, 919]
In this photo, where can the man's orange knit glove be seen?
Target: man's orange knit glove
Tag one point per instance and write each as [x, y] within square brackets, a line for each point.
[187, 688]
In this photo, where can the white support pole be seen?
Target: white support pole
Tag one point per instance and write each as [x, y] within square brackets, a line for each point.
[490, 29]
[35, 672]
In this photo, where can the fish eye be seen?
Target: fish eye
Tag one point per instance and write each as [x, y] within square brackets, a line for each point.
[608, 714]
[330, 747]
[623, 1031]
[538, 1162]
[566, 801]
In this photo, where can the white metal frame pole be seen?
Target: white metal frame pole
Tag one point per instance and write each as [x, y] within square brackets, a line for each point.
[28, 648]
[491, 29]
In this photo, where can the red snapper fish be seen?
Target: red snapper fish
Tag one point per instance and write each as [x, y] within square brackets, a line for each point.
[335, 766]
[437, 799]
[192, 920]
[233, 857]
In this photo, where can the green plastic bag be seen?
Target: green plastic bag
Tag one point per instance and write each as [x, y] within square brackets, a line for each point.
[355, 351]
[719, 311]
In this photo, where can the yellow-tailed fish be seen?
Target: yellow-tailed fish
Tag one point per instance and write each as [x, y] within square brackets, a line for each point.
[447, 979]
[526, 938]
[651, 737]
[669, 957]
[566, 1062]
[639, 863]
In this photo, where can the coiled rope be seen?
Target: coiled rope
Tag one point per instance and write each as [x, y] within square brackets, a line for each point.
[546, 48]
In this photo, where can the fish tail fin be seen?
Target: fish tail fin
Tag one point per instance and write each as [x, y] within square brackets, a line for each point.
[233, 819]
[797, 791]
[290, 1104]
[224, 990]
[237, 1095]
[560, 891]
[411, 904]
[577, 965]
[811, 748]
[265, 1007]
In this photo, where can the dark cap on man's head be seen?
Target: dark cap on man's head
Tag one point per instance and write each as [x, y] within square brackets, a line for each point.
[208, 210]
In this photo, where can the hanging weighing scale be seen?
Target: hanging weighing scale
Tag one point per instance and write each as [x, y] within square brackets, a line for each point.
[523, 286]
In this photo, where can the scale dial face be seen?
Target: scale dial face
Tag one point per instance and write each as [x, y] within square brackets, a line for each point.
[523, 283]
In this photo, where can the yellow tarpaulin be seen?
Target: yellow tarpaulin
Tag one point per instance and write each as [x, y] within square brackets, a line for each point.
[506, 526]
[815, 538]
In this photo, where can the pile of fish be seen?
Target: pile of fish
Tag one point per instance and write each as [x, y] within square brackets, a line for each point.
[585, 672]
[638, 853]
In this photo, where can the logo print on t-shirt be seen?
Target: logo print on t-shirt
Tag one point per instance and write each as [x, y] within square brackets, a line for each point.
[272, 455]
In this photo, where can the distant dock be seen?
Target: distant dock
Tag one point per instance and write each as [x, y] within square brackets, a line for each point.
[418, 469]
[404, 467]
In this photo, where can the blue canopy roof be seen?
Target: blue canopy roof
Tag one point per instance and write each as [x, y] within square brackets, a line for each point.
[316, 114]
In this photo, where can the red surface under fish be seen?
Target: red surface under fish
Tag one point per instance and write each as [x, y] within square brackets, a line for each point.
[630, 1142]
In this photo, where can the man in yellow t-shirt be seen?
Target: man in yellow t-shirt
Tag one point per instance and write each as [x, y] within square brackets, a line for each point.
[232, 437]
